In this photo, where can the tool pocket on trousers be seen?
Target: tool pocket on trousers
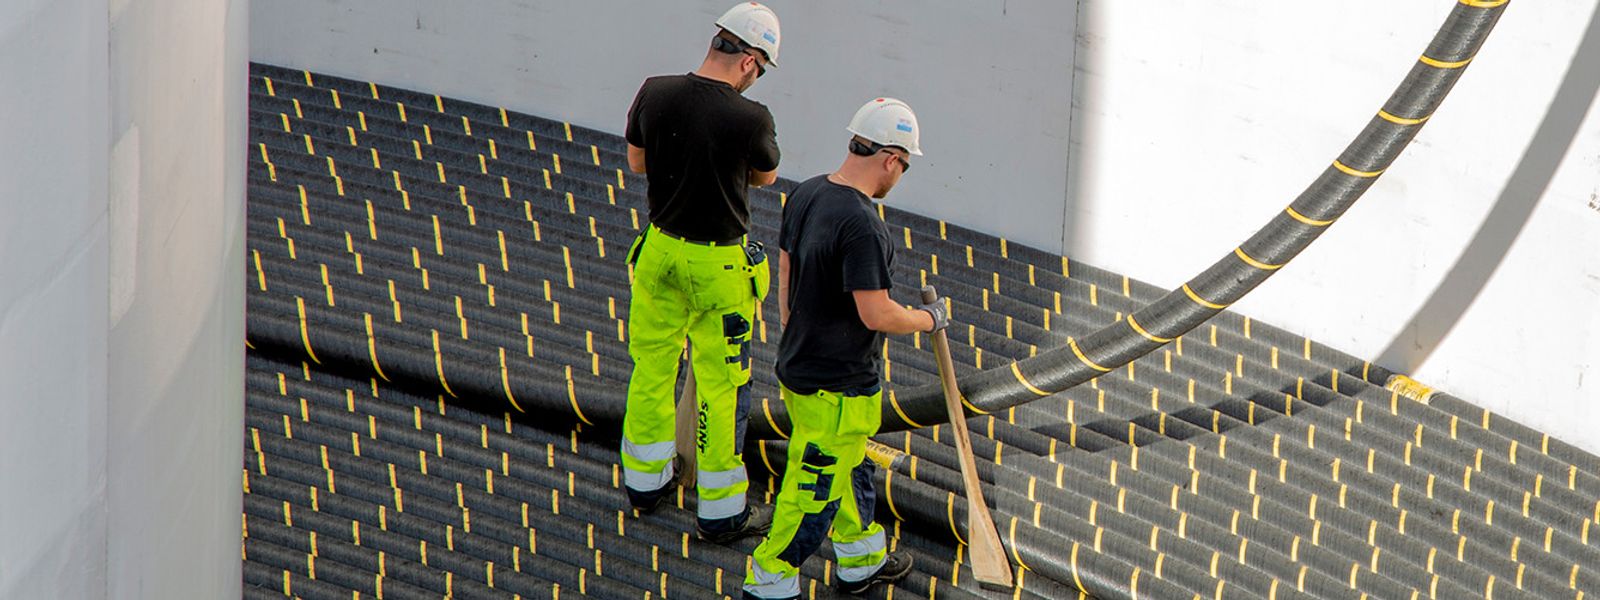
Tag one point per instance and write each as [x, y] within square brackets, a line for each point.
[718, 284]
[736, 333]
[860, 412]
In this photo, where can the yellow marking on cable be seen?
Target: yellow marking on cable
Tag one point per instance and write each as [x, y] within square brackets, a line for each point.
[1347, 170]
[1390, 117]
[1073, 343]
[1201, 301]
[372, 347]
[305, 338]
[505, 381]
[270, 91]
[1147, 335]
[438, 364]
[1020, 379]
[1307, 220]
[1441, 64]
[572, 397]
[1255, 263]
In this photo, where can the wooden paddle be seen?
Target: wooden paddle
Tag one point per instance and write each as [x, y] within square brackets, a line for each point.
[989, 563]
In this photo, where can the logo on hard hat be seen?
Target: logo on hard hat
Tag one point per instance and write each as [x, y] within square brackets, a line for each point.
[903, 125]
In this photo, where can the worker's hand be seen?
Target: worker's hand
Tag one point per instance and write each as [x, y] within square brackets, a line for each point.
[940, 314]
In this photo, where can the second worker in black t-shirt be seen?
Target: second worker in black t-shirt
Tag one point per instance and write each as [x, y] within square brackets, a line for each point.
[833, 296]
[701, 144]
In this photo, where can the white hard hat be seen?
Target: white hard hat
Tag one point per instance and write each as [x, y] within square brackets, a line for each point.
[887, 122]
[757, 25]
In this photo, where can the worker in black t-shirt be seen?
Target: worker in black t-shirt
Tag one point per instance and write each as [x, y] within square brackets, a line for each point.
[833, 296]
[702, 144]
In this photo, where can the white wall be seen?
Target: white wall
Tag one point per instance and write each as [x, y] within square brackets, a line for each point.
[1195, 123]
[992, 96]
[1190, 125]
[121, 298]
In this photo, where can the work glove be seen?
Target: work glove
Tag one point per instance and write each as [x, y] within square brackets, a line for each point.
[940, 314]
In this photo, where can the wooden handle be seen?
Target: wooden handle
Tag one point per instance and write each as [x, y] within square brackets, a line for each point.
[989, 563]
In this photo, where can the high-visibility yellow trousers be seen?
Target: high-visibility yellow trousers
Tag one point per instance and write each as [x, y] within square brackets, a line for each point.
[826, 485]
[702, 292]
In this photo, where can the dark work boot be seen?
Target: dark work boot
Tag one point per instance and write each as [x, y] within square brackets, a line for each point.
[757, 520]
[895, 567]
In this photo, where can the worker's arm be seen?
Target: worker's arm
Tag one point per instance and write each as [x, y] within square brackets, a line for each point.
[783, 287]
[635, 158]
[879, 313]
[757, 178]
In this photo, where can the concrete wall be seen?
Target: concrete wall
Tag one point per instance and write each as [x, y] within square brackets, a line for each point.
[990, 80]
[1472, 264]
[121, 311]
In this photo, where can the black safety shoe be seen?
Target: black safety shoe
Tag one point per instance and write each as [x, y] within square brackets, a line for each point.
[895, 567]
[757, 520]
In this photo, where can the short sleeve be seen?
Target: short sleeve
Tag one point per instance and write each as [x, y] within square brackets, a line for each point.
[787, 230]
[635, 131]
[864, 261]
[764, 145]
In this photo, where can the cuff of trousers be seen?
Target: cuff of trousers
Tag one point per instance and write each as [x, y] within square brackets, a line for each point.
[647, 499]
[725, 524]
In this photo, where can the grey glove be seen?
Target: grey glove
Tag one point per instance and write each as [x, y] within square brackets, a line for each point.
[940, 314]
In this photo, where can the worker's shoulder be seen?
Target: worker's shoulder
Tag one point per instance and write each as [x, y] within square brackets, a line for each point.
[841, 208]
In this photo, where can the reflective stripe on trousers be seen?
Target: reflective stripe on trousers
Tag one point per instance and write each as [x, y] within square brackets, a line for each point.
[765, 584]
[858, 560]
[721, 493]
[647, 467]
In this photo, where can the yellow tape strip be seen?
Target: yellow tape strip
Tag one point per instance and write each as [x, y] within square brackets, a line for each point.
[1024, 381]
[1305, 219]
[888, 493]
[1147, 335]
[898, 411]
[1079, 352]
[438, 365]
[505, 382]
[1347, 170]
[970, 406]
[1201, 301]
[1484, 3]
[1253, 262]
[572, 396]
[1014, 553]
[766, 407]
[1392, 118]
[1440, 64]
[300, 306]
[950, 516]
[372, 347]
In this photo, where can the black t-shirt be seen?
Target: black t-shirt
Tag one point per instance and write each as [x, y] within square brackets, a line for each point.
[837, 244]
[701, 139]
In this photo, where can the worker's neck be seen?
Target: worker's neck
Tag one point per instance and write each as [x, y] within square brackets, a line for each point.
[717, 71]
[853, 175]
